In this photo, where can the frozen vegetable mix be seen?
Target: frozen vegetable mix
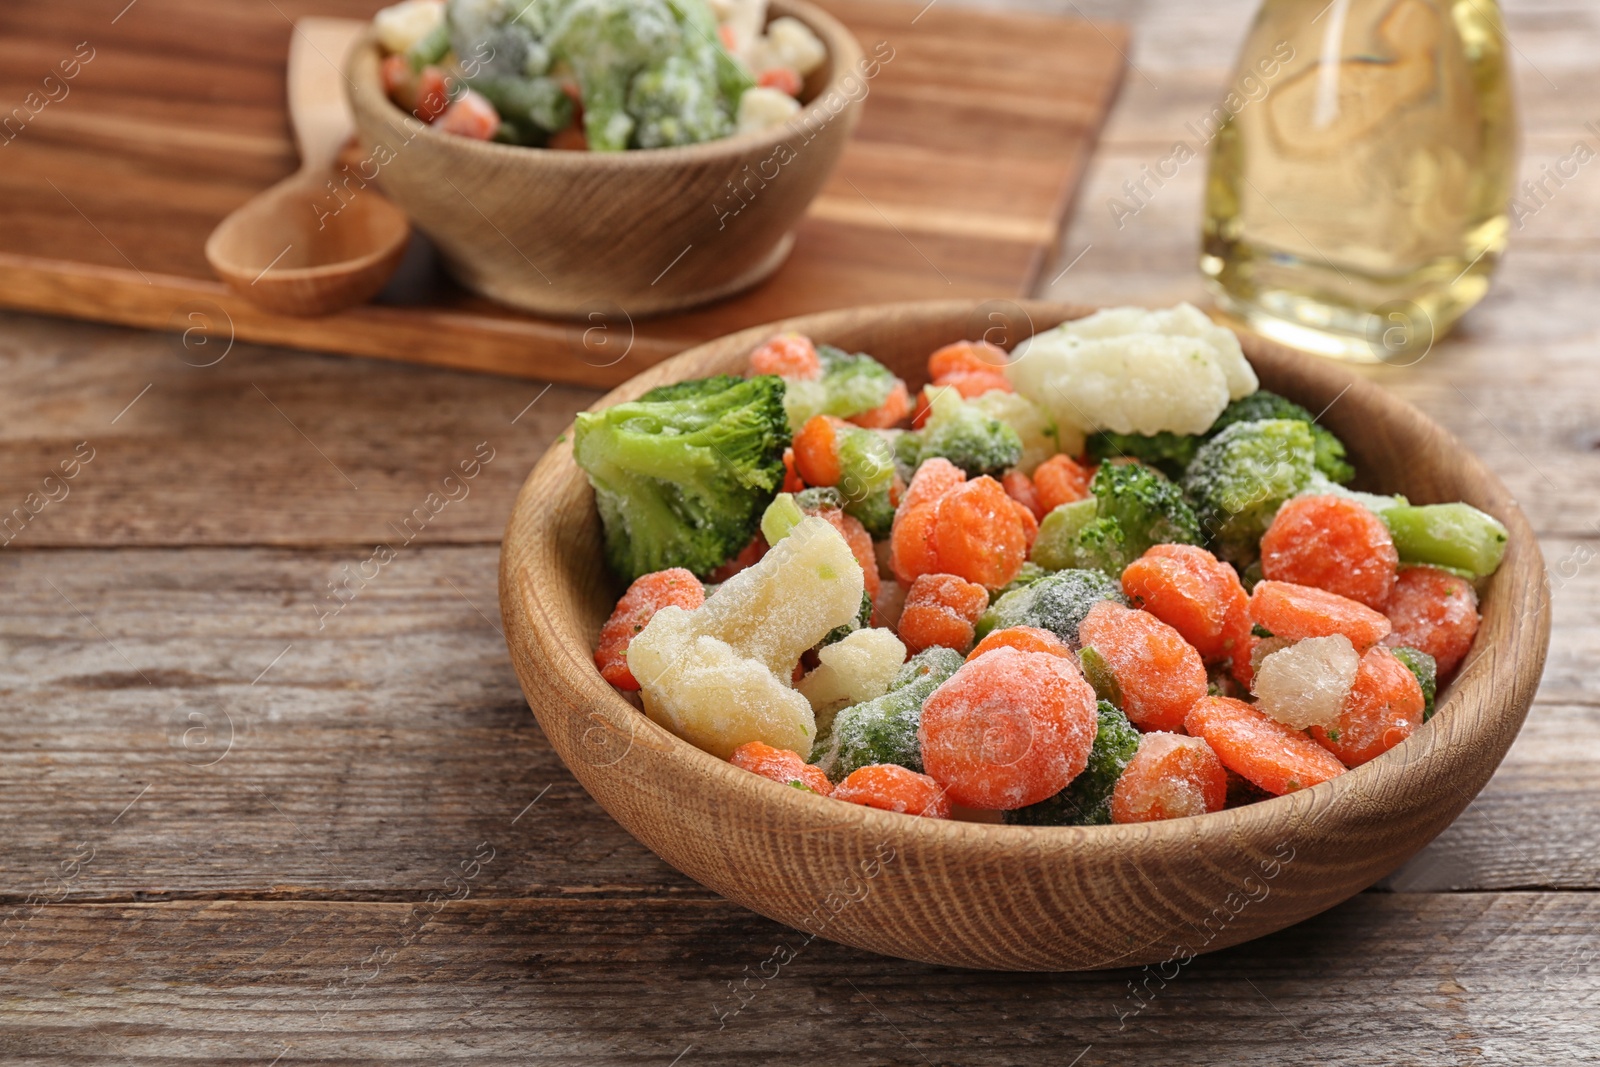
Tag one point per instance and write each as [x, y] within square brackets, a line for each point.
[1159, 607]
[602, 75]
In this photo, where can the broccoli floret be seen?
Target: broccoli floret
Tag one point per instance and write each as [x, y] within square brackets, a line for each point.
[885, 730]
[963, 434]
[1426, 669]
[850, 385]
[1087, 800]
[1131, 508]
[487, 33]
[866, 474]
[1035, 429]
[1057, 602]
[677, 102]
[1240, 478]
[1168, 452]
[651, 71]
[682, 475]
[1149, 508]
[531, 105]
[1102, 545]
[1264, 405]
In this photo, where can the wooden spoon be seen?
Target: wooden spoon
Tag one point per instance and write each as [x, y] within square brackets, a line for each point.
[310, 245]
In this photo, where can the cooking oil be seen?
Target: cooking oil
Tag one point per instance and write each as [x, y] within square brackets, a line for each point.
[1359, 209]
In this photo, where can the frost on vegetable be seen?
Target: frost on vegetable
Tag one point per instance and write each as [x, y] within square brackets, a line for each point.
[850, 385]
[706, 692]
[866, 473]
[850, 671]
[682, 474]
[959, 431]
[1058, 603]
[1087, 801]
[1426, 669]
[1033, 427]
[1131, 508]
[1240, 478]
[1056, 546]
[1261, 404]
[862, 621]
[1030, 573]
[1133, 371]
[674, 103]
[1180, 320]
[1304, 684]
[1457, 537]
[884, 730]
[719, 676]
[806, 585]
[1377, 503]
[1149, 509]
[651, 73]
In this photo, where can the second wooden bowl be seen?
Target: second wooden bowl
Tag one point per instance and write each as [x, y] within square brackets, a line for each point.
[1007, 897]
[635, 233]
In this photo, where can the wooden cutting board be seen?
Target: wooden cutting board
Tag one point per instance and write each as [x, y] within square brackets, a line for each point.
[127, 132]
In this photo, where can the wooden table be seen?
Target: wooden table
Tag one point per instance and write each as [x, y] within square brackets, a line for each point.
[238, 826]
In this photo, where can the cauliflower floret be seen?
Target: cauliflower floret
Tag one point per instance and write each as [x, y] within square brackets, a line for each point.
[1306, 683]
[1040, 439]
[788, 43]
[744, 18]
[1181, 320]
[855, 669]
[761, 107]
[1140, 383]
[719, 676]
[404, 24]
[807, 584]
[1130, 370]
[704, 691]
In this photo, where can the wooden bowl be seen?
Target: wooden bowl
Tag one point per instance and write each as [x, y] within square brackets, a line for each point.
[1007, 897]
[571, 234]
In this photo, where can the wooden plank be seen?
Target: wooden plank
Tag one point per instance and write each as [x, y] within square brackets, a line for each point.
[586, 981]
[957, 180]
[364, 753]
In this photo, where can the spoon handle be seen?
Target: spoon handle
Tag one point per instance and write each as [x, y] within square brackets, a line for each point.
[317, 107]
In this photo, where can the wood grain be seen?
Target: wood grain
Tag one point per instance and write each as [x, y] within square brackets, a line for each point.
[364, 753]
[1424, 977]
[581, 981]
[961, 120]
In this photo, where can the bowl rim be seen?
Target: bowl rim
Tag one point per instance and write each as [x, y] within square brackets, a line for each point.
[1444, 741]
[844, 52]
